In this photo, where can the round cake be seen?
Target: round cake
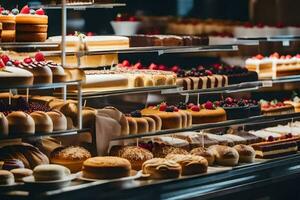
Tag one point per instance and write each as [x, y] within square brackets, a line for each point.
[15, 76]
[160, 168]
[50, 172]
[106, 168]
[20, 122]
[43, 123]
[190, 164]
[8, 26]
[71, 157]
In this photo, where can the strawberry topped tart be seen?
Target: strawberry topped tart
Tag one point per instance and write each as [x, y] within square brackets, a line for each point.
[31, 25]
[275, 107]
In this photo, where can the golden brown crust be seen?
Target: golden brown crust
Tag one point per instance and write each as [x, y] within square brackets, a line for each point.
[42, 121]
[58, 119]
[29, 28]
[160, 168]
[151, 124]
[246, 153]
[20, 122]
[157, 120]
[204, 152]
[31, 37]
[225, 155]
[208, 116]
[161, 151]
[132, 125]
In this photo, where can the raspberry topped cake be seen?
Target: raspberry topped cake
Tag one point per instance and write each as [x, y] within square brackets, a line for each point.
[8, 20]
[31, 25]
[275, 107]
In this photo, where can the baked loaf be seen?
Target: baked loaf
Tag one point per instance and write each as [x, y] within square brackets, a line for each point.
[20, 173]
[71, 157]
[28, 154]
[20, 122]
[50, 172]
[160, 168]
[190, 164]
[3, 125]
[58, 119]
[226, 156]
[206, 153]
[9, 164]
[136, 156]
[6, 178]
[246, 153]
[108, 167]
[43, 123]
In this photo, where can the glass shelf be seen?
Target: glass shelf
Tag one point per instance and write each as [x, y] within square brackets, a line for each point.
[29, 45]
[79, 6]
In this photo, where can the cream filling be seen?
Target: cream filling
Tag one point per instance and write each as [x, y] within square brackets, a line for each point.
[280, 151]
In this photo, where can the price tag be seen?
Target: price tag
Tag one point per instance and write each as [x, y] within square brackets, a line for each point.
[160, 52]
[267, 83]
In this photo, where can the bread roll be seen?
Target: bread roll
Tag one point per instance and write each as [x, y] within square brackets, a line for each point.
[20, 122]
[43, 123]
[50, 172]
[160, 168]
[6, 178]
[206, 153]
[71, 157]
[226, 156]
[107, 167]
[190, 164]
[20, 173]
[3, 125]
[58, 119]
[246, 153]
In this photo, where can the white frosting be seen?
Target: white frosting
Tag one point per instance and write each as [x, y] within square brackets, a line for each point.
[265, 134]
[106, 80]
[15, 72]
[295, 131]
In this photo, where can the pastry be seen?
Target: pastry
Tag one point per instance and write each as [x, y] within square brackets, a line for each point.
[190, 164]
[31, 26]
[20, 122]
[20, 173]
[161, 151]
[3, 125]
[246, 153]
[8, 21]
[276, 108]
[71, 157]
[106, 168]
[136, 156]
[50, 172]
[225, 156]
[160, 168]
[58, 119]
[42, 121]
[206, 153]
[6, 178]
[9, 164]
[250, 138]
[196, 139]
[265, 135]
[235, 138]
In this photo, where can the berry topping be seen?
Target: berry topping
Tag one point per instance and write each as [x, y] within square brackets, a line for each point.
[248, 25]
[259, 56]
[195, 108]
[136, 113]
[32, 12]
[289, 135]
[1, 9]
[162, 67]
[2, 65]
[119, 18]
[170, 109]
[175, 69]
[5, 59]
[260, 25]
[208, 73]
[209, 105]
[39, 57]
[288, 56]
[25, 10]
[27, 60]
[163, 107]
[270, 138]
[16, 63]
[5, 12]
[190, 105]
[41, 12]
[15, 11]
[138, 65]
[126, 63]
[153, 66]
[132, 19]
[176, 109]
[275, 55]
[229, 100]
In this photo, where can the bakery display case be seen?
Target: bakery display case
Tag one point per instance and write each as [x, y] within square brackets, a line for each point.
[186, 112]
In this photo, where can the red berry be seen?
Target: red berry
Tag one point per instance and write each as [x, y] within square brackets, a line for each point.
[1, 9]
[119, 18]
[175, 69]
[288, 56]
[126, 63]
[5, 59]
[260, 25]
[163, 107]
[208, 73]
[132, 19]
[259, 57]
[289, 135]
[25, 10]
[39, 57]
[217, 103]
[209, 105]
[40, 12]
[162, 67]
[90, 34]
[190, 105]
[153, 66]
[27, 60]
[195, 108]
[270, 138]
[2, 65]
[176, 109]
[229, 100]
[138, 65]
[275, 55]
[248, 25]
[16, 63]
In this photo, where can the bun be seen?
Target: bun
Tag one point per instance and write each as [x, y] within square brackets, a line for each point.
[28, 154]
[6, 178]
[204, 152]
[70, 157]
[50, 172]
[9, 164]
[20, 173]
[136, 156]
[160, 168]
[20, 122]
[190, 164]
[246, 153]
[58, 119]
[3, 125]
[43, 123]
[107, 167]
[225, 155]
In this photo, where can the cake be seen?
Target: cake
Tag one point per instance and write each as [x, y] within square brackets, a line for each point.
[190, 164]
[161, 151]
[106, 168]
[71, 157]
[50, 172]
[235, 138]
[160, 168]
[219, 139]
[31, 25]
[276, 108]
[250, 138]
[196, 139]
[294, 101]
[284, 130]
[140, 124]
[265, 135]
[8, 21]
